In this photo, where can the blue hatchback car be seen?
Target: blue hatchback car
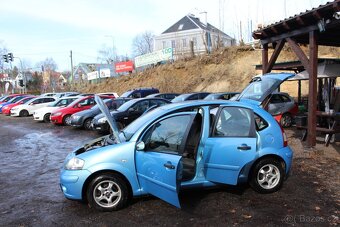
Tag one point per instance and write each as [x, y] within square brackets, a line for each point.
[183, 145]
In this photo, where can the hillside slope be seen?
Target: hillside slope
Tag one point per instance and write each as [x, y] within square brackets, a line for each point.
[227, 70]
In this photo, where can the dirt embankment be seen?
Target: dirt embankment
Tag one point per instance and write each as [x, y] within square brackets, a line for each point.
[229, 69]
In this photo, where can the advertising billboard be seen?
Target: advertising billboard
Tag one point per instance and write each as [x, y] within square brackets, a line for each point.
[93, 75]
[126, 66]
[154, 57]
[105, 73]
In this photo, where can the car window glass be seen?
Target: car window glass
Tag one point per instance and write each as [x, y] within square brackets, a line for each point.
[141, 106]
[285, 98]
[167, 135]
[84, 102]
[193, 97]
[260, 123]
[37, 101]
[275, 99]
[233, 122]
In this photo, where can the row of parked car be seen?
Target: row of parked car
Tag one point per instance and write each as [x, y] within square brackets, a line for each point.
[193, 144]
[80, 110]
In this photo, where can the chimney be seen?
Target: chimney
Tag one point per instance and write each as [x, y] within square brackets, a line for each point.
[204, 21]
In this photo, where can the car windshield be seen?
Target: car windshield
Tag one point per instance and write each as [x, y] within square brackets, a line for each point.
[62, 102]
[96, 107]
[258, 88]
[14, 99]
[180, 98]
[25, 100]
[126, 105]
[126, 94]
[132, 128]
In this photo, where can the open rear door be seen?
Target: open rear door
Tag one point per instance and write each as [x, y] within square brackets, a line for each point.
[262, 86]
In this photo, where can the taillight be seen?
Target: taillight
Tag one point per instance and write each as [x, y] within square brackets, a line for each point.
[284, 136]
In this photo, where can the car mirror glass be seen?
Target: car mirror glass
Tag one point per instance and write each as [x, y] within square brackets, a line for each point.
[140, 146]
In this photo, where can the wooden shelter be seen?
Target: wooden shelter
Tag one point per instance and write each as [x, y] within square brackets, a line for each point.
[318, 26]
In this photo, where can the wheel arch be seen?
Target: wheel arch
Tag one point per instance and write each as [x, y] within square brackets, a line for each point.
[246, 172]
[100, 172]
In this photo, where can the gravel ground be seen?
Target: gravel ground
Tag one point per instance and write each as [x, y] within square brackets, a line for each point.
[32, 153]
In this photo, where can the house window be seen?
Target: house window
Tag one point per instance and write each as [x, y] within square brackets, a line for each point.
[184, 42]
[194, 40]
[164, 44]
[180, 27]
[173, 43]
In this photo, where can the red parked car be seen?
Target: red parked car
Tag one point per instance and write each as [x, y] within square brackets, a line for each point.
[62, 116]
[6, 110]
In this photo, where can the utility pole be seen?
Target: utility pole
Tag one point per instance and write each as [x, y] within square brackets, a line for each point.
[71, 66]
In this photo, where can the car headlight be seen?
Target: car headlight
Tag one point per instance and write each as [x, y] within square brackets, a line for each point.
[102, 120]
[74, 164]
[76, 117]
[57, 114]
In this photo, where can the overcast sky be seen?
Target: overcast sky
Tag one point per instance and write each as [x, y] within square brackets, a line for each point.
[36, 29]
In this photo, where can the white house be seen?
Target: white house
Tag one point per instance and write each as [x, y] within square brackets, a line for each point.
[203, 36]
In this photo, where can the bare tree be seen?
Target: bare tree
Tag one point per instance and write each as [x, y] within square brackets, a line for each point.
[3, 50]
[143, 43]
[48, 65]
[107, 55]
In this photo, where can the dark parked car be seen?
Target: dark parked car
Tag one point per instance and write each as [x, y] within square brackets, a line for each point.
[168, 96]
[221, 95]
[190, 96]
[127, 113]
[85, 117]
[140, 92]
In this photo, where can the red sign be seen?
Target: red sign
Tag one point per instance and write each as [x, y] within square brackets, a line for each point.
[125, 66]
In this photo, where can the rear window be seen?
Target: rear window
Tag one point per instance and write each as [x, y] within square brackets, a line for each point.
[260, 123]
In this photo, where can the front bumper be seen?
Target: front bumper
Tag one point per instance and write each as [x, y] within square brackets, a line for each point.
[56, 119]
[76, 122]
[15, 113]
[38, 117]
[72, 183]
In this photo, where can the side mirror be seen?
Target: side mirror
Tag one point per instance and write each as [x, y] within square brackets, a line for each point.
[140, 146]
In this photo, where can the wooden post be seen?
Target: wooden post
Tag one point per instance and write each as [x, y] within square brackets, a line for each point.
[299, 92]
[264, 58]
[312, 99]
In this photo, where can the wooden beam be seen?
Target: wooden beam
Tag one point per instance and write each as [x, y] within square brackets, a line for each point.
[285, 25]
[296, 32]
[300, 21]
[312, 96]
[274, 29]
[275, 55]
[299, 53]
[317, 15]
[264, 58]
[336, 6]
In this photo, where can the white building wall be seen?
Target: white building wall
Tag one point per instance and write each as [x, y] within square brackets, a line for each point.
[177, 39]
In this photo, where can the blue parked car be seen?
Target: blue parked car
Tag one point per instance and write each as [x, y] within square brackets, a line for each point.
[181, 145]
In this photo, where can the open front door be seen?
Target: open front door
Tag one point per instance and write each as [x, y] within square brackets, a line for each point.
[158, 157]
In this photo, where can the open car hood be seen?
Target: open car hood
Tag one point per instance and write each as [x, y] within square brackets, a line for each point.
[260, 87]
[110, 119]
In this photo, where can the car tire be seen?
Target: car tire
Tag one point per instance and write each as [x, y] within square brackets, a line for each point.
[23, 113]
[267, 176]
[47, 118]
[67, 120]
[87, 124]
[286, 120]
[107, 192]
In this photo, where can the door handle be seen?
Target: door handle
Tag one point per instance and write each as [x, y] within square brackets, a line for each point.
[169, 165]
[244, 147]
